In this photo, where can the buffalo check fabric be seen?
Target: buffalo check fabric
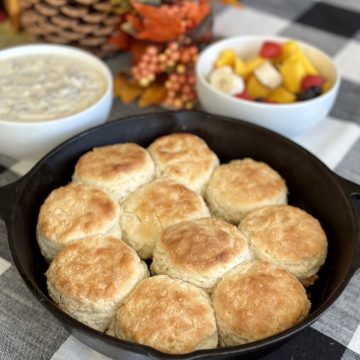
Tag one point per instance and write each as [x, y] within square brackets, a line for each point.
[28, 331]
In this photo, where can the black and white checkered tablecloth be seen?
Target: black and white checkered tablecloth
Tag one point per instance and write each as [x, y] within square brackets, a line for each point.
[27, 331]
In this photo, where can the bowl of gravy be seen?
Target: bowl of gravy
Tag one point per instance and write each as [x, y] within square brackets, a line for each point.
[49, 93]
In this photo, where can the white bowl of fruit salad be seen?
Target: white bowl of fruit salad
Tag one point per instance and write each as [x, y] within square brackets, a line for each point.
[285, 85]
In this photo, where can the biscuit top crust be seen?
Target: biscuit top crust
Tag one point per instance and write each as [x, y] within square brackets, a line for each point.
[112, 163]
[164, 202]
[155, 206]
[75, 211]
[95, 270]
[183, 157]
[259, 299]
[203, 245]
[285, 233]
[246, 182]
[167, 314]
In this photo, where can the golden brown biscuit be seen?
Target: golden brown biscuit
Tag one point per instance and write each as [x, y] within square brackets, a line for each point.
[241, 186]
[185, 158]
[117, 169]
[257, 300]
[155, 206]
[288, 237]
[200, 251]
[169, 315]
[88, 278]
[73, 212]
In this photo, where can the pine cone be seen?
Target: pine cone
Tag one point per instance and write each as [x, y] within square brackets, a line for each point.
[83, 23]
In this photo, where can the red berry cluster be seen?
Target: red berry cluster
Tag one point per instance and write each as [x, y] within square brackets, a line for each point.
[145, 71]
[180, 91]
[176, 61]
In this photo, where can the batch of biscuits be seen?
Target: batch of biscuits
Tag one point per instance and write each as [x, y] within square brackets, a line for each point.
[168, 248]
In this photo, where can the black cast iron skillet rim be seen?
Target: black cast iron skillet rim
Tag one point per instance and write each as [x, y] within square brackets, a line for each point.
[146, 350]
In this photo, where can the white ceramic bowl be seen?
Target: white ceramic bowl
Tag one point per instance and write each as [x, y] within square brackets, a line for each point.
[286, 119]
[31, 140]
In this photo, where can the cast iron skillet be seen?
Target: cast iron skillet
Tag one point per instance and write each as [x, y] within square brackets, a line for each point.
[312, 186]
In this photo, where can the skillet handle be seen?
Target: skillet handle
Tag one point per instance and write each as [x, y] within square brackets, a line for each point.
[353, 191]
[8, 194]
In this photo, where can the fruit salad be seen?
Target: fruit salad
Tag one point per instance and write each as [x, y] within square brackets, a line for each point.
[280, 73]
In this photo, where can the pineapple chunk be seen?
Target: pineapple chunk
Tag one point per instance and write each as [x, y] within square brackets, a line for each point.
[292, 51]
[289, 48]
[255, 89]
[268, 75]
[283, 96]
[327, 86]
[292, 71]
[309, 68]
[252, 64]
[239, 67]
[226, 58]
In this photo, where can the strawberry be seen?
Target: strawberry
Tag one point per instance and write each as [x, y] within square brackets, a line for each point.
[270, 101]
[243, 95]
[310, 81]
[270, 49]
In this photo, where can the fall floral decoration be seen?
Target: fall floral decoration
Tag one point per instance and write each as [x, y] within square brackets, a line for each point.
[166, 22]
[164, 38]
[127, 91]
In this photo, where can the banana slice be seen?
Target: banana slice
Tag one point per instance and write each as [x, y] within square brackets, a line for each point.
[267, 74]
[226, 81]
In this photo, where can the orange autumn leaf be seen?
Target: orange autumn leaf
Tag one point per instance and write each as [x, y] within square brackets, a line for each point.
[135, 21]
[164, 23]
[158, 23]
[119, 81]
[196, 12]
[154, 94]
[126, 90]
[120, 40]
[130, 93]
